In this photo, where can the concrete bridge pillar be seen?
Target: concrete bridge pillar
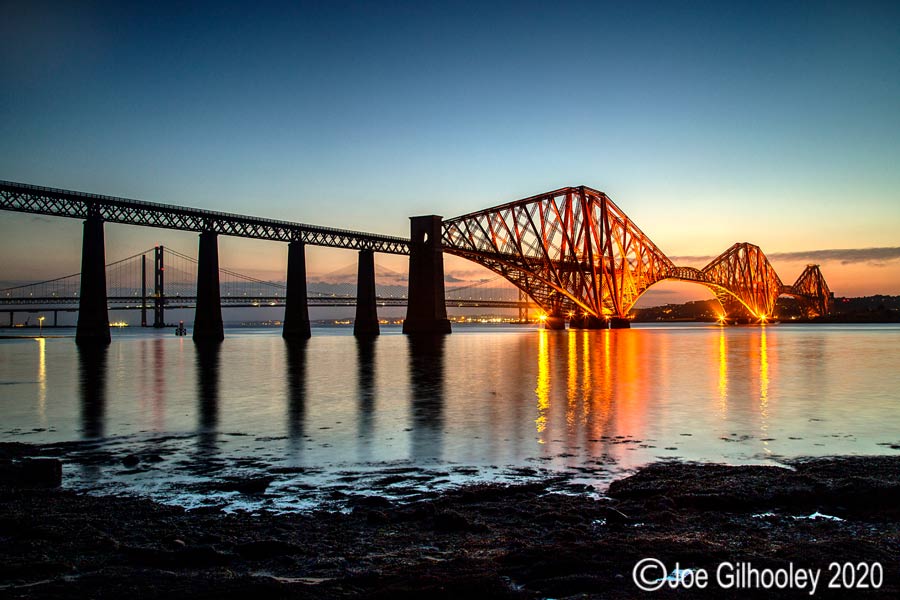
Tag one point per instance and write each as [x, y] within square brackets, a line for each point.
[366, 322]
[588, 322]
[296, 307]
[426, 312]
[555, 321]
[592, 322]
[208, 315]
[619, 323]
[93, 317]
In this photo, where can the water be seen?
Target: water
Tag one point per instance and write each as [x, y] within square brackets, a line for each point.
[394, 416]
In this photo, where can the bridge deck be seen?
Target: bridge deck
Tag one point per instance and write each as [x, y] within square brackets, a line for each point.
[22, 197]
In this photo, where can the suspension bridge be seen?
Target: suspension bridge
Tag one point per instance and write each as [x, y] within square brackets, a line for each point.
[160, 278]
[572, 251]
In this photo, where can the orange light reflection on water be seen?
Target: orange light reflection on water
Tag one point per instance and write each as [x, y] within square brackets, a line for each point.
[613, 390]
[42, 380]
[605, 389]
[723, 374]
[764, 388]
[571, 380]
[542, 389]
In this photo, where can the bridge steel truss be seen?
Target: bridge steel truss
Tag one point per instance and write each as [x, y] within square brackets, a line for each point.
[577, 254]
[96, 210]
[21, 197]
[742, 276]
[572, 250]
[812, 291]
[746, 284]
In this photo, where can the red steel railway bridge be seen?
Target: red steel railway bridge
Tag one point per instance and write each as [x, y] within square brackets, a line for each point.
[572, 251]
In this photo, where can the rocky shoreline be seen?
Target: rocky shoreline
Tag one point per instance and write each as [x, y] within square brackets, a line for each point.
[504, 541]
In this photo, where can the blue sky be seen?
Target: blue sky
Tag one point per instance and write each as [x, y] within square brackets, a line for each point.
[707, 123]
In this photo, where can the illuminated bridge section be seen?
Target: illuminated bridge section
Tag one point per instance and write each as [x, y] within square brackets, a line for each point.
[578, 255]
[571, 250]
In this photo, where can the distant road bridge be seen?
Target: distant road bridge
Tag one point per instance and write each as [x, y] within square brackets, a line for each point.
[172, 285]
[572, 251]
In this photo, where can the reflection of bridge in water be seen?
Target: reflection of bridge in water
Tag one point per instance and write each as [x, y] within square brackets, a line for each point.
[572, 251]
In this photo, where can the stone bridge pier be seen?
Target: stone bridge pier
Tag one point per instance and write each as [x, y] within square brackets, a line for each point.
[426, 312]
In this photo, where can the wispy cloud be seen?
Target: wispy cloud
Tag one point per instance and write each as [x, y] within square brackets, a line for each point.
[846, 256]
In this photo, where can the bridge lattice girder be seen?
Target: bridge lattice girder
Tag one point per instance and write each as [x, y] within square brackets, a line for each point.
[574, 250]
[743, 278]
[812, 291]
[22, 197]
[571, 249]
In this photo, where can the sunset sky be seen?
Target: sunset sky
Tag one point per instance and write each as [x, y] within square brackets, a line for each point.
[777, 124]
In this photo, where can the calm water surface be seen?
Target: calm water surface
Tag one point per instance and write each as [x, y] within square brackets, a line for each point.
[335, 415]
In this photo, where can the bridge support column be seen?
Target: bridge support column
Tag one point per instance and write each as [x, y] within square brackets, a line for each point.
[592, 322]
[143, 290]
[208, 315]
[159, 292]
[93, 317]
[296, 307]
[426, 312]
[619, 323]
[555, 320]
[587, 322]
[366, 322]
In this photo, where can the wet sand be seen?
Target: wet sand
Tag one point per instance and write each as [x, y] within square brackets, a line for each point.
[541, 539]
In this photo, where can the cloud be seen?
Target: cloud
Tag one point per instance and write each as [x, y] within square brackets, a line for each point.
[847, 256]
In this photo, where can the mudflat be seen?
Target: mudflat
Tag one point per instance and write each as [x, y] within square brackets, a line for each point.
[533, 540]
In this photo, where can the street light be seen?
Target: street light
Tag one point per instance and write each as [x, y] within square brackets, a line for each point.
[41, 326]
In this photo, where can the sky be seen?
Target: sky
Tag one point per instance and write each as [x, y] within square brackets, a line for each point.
[708, 123]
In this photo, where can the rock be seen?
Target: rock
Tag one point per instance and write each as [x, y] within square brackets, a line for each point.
[131, 461]
[370, 501]
[191, 557]
[451, 521]
[377, 517]
[613, 515]
[32, 472]
[716, 486]
[263, 549]
[252, 485]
